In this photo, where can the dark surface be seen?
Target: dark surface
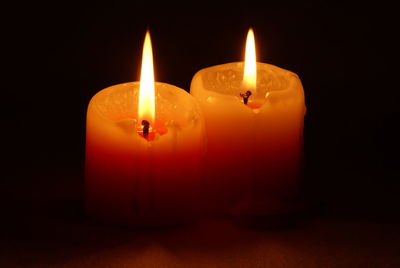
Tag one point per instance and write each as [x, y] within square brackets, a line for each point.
[51, 231]
[61, 54]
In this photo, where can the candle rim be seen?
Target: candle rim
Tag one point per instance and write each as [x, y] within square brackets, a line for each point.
[158, 86]
[291, 77]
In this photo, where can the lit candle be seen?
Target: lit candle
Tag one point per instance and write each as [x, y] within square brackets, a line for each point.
[254, 115]
[144, 147]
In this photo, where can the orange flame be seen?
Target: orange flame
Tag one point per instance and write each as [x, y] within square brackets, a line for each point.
[250, 63]
[146, 93]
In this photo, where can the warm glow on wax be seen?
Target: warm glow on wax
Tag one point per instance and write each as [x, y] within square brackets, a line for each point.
[250, 68]
[146, 94]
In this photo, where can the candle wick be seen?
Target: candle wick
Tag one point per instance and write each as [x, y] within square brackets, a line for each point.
[245, 96]
[146, 127]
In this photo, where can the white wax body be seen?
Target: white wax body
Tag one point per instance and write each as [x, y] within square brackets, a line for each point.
[251, 151]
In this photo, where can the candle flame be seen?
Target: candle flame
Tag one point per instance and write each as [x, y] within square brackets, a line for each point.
[146, 93]
[250, 63]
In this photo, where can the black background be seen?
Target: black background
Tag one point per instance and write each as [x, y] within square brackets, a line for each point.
[56, 56]
[61, 54]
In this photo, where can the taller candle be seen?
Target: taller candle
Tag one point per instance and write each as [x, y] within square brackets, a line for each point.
[254, 122]
[144, 147]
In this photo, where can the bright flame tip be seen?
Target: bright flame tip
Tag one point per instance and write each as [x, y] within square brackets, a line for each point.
[146, 109]
[250, 63]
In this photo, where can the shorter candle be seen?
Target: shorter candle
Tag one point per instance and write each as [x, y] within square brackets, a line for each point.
[254, 123]
[144, 149]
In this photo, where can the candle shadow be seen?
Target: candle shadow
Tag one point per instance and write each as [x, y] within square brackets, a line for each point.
[48, 227]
